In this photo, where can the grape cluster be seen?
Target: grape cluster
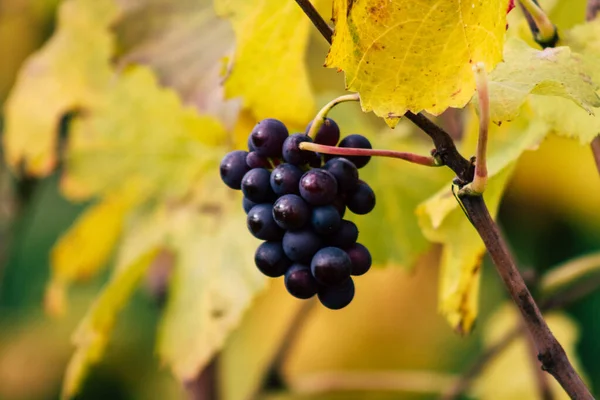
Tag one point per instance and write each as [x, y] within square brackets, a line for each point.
[295, 201]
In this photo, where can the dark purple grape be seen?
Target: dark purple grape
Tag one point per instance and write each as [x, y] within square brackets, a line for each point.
[325, 220]
[301, 245]
[248, 204]
[285, 179]
[291, 212]
[271, 260]
[357, 142]
[362, 200]
[331, 266]
[340, 205]
[256, 185]
[255, 161]
[360, 257]
[345, 173]
[250, 145]
[337, 297]
[233, 168]
[318, 187]
[261, 224]
[268, 136]
[299, 282]
[328, 134]
[345, 236]
[292, 153]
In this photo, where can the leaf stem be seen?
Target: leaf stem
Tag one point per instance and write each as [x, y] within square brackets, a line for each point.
[428, 161]
[322, 114]
[316, 19]
[543, 30]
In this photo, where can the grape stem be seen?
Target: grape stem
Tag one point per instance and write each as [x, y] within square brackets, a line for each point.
[428, 161]
[551, 354]
[477, 187]
[322, 114]
[543, 30]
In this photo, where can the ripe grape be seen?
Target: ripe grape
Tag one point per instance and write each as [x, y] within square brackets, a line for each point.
[360, 257]
[233, 168]
[292, 153]
[345, 236]
[271, 260]
[362, 200]
[325, 219]
[261, 223]
[328, 134]
[248, 204]
[340, 205]
[331, 266]
[256, 185]
[250, 145]
[268, 136]
[255, 161]
[300, 283]
[301, 245]
[345, 173]
[336, 297]
[357, 142]
[285, 179]
[318, 187]
[290, 212]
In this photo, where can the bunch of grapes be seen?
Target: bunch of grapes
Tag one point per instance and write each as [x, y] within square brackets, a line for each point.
[295, 201]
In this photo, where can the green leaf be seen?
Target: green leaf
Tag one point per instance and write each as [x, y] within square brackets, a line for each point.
[402, 56]
[550, 72]
[565, 275]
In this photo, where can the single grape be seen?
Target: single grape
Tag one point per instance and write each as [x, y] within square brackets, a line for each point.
[285, 179]
[248, 204]
[301, 245]
[233, 168]
[325, 220]
[291, 212]
[255, 161]
[292, 153]
[271, 260]
[340, 205]
[337, 297]
[318, 187]
[345, 236]
[328, 134]
[261, 224]
[256, 185]
[250, 145]
[345, 173]
[299, 282]
[357, 142]
[362, 200]
[360, 257]
[268, 136]
[331, 266]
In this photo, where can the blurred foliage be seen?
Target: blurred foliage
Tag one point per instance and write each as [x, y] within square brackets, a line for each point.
[131, 171]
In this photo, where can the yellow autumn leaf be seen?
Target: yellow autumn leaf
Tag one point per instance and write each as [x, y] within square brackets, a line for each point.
[271, 79]
[69, 73]
[94, 331]
[86, 248]
[514, 366]
[401, 55]
[442, 220]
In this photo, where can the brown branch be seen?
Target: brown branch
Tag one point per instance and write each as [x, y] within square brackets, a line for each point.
[550, 352]
[541, 379]
[316, 19]
[593, 7]
[204, 386]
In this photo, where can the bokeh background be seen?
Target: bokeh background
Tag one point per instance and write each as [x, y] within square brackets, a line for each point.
[549, 214]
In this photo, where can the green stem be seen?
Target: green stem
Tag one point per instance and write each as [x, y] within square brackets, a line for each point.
[427, 161]
[546, 34]
[569, 272]
[322, 114]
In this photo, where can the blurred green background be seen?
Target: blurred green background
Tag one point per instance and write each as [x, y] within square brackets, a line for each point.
[549, 214]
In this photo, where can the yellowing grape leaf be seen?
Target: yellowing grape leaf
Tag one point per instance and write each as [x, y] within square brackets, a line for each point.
[401, 55]
[213, 282]
[269, 70]
[140, 138]
[514, 366]
[551, 72]
[92, 335]
[442, 220]
[70, 72]
[85, 249]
